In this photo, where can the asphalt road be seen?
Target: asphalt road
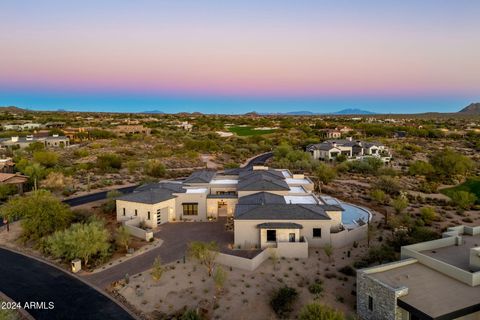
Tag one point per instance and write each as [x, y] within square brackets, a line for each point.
[77, 201]
[24, 279]
[259, 160]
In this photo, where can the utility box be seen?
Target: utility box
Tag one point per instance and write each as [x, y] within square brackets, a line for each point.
[76, 265]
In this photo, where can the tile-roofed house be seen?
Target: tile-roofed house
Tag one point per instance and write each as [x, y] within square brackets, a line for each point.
[352, 149]
[203, 176]
[150, 196]
[261, 201]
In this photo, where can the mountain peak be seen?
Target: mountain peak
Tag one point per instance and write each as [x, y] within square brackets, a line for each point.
[353, 111]
[472, 108]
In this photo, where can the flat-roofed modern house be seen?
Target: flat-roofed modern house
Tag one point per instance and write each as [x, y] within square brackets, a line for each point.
[23, 142]
[352, 149]
[434, 280]
[269, 207]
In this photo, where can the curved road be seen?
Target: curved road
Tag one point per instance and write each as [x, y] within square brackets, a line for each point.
[25, 279]
[77, 201]
[258, 160]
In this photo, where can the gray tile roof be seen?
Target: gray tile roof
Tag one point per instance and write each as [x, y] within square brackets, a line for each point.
[202, 176]
[262, 183]
[281, 212]
[279, 225]
[246, 174]
[175, 187]
[262, 198]
[150, 196]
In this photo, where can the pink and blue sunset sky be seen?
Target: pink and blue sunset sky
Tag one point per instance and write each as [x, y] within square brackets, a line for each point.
[238, 56]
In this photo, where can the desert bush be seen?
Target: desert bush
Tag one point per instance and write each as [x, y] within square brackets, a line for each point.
[282, 301]
[155, 168]
[316, 311]
[388, 185]
[109, 162]
[463, 199]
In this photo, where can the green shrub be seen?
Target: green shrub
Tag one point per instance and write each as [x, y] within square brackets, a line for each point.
[316, 311]
[109, 162]
[282, 301]
[463, 199]
[316, 288]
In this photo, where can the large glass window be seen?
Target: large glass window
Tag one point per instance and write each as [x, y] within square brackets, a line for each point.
[190, 209]
[271, 235]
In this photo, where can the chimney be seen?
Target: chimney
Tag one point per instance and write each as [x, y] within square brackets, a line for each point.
[334, 144]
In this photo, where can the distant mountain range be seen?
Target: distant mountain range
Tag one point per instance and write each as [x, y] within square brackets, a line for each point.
[471, 109]
[309, 113]
[153, 112]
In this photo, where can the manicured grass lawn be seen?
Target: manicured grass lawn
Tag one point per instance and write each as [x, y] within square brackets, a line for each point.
[472, 185]
[249, 131]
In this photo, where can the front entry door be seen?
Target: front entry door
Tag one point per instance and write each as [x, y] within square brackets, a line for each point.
[291, 237]
[222, 208]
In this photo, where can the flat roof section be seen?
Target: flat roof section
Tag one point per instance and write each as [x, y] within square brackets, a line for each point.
[430, 291]
[300, 199]
[297, 181]
[458, 256]
[224, 181]
[297, 190]
[196, 190]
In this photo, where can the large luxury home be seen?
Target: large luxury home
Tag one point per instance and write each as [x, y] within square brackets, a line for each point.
[268, 206]
[437, 279]
[351, 149]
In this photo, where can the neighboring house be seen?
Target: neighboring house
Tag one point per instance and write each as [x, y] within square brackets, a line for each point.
[14, 179]
[131, 129]
[185, 125]
[352, 149]
[30, 126]
[23, 142]
[269, 207]
[75, 133]
[437, 279]
[331, 133]
[6, 165]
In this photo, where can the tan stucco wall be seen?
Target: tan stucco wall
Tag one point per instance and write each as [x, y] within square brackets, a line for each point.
[142, 211]
[247, 234]
[282, 236]
[200, 198]
[212, 206]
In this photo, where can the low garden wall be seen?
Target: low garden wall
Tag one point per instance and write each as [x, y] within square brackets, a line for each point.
[348, 237]
[131, 226]
[244, 263]
[292, 249]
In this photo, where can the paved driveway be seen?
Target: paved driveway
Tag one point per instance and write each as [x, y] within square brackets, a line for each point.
[175, 236]
[24, 279]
